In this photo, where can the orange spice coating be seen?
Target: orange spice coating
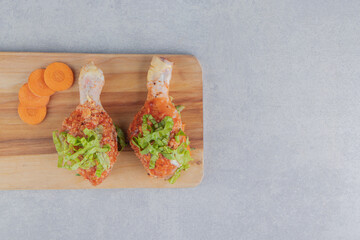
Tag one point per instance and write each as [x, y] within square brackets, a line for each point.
[158, 108]
[89, 115]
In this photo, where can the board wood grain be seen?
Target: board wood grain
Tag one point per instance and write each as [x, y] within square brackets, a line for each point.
[28, 159]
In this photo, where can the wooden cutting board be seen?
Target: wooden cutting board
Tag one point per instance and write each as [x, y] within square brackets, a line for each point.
[28, 159]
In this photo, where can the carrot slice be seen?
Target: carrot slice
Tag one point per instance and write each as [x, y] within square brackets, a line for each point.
[31, 115]
[37, 84]
[58, 76]
[27, 98]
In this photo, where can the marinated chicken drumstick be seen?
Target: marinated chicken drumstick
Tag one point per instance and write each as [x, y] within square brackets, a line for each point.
[87, 142]
[157, 132]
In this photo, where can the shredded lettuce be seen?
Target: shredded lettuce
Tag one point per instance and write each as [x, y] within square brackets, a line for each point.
[178, 134]
[176, 175]
[155, 139]
[82, 152]
[179, 108]
[120, 138]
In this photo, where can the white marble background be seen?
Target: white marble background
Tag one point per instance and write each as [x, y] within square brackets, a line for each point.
[281, 115]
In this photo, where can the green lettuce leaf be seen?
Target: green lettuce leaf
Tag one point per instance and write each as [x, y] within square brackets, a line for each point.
[82, 152]
[154, 140]
[178, 134]
[179, 108]
[121, 138]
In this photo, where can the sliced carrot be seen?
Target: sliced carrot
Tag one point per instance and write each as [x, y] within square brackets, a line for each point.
[37, 84]
[58, 76]
[27, 98]
[31, 115]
